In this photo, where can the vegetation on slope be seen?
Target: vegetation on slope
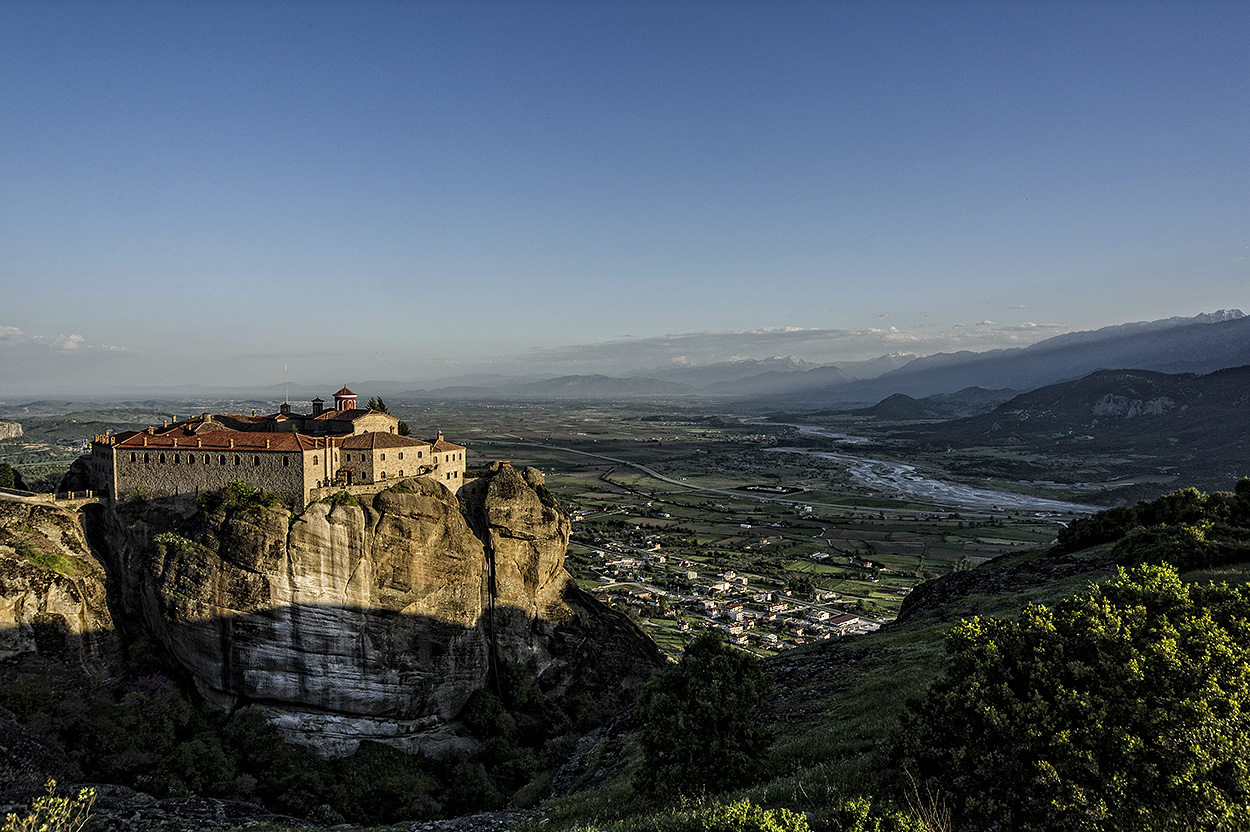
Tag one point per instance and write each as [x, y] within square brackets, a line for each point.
[1127, 707]
[1121, 705]
[152, 735]
[702, 729]
[1055, 705]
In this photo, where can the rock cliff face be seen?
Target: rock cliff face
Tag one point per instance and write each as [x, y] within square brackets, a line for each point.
[55, 625]
[10, 430]
[374, 620]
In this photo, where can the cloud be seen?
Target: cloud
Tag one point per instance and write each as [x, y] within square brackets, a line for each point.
[12, 336]
[818, 346]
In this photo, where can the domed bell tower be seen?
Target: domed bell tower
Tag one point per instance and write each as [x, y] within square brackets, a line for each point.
[345, 400]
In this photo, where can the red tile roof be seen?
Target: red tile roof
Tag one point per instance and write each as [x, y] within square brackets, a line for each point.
[343, 415]
[377, 439]
[223, 440]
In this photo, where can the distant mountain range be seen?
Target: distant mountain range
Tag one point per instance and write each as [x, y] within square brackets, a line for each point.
[1196, 345]
[1194, 427]
[1200, 344]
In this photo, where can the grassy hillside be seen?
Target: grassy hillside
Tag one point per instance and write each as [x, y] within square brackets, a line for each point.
[837, 704]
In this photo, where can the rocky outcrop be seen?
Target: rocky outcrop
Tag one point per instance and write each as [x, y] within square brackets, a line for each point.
[55, 624]
[371, 620]
[27, 761]
[10, 430]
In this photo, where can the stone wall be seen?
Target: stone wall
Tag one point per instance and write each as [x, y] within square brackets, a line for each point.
[320, 465]
[381, 464]
[190, 471]
[449, 467]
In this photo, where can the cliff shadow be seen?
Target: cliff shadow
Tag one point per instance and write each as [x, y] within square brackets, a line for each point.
[359, 672]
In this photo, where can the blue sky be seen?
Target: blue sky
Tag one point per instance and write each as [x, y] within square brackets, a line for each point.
[208, 192]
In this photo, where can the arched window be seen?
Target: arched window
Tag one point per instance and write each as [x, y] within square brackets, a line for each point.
[236, 459]
[401, 472]
[162, 457]
[134, 457]
[401, 454]
[285, 462]
[190, 459]
[223, 459]
[256, 460]
[314, 459]
[418, 454]
[147, 458]
[175, 459]
[383, 457]
[383, 475]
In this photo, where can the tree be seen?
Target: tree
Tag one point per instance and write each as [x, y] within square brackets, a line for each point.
[702, 721]
[402, 428]
[378, 405]
[10, 477]
[1126, 708]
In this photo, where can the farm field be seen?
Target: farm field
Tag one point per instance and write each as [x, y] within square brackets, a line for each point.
[684, 519]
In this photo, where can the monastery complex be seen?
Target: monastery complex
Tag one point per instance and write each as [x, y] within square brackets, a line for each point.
[293, 454]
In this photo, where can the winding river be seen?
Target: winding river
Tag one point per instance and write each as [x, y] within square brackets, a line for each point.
[900, 478]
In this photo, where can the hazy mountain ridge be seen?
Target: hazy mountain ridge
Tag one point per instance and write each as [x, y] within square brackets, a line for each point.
[967, 402]
[1201, 344]
[1195, 427]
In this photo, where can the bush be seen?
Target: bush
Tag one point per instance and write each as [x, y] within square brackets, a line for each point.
[380, 784]
[745, 816]
[860, 814]
[185, 546]
[1104, 527]
[702, 721]
[1127, 708]
[54, 814]
[545, 496]
[341, 498]
[239, 495]
[29, 702]
[1186, 528]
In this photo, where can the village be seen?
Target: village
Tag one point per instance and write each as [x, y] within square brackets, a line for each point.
[674, 596]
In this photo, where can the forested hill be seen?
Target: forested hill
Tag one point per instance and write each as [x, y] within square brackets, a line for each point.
[1191, 427]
